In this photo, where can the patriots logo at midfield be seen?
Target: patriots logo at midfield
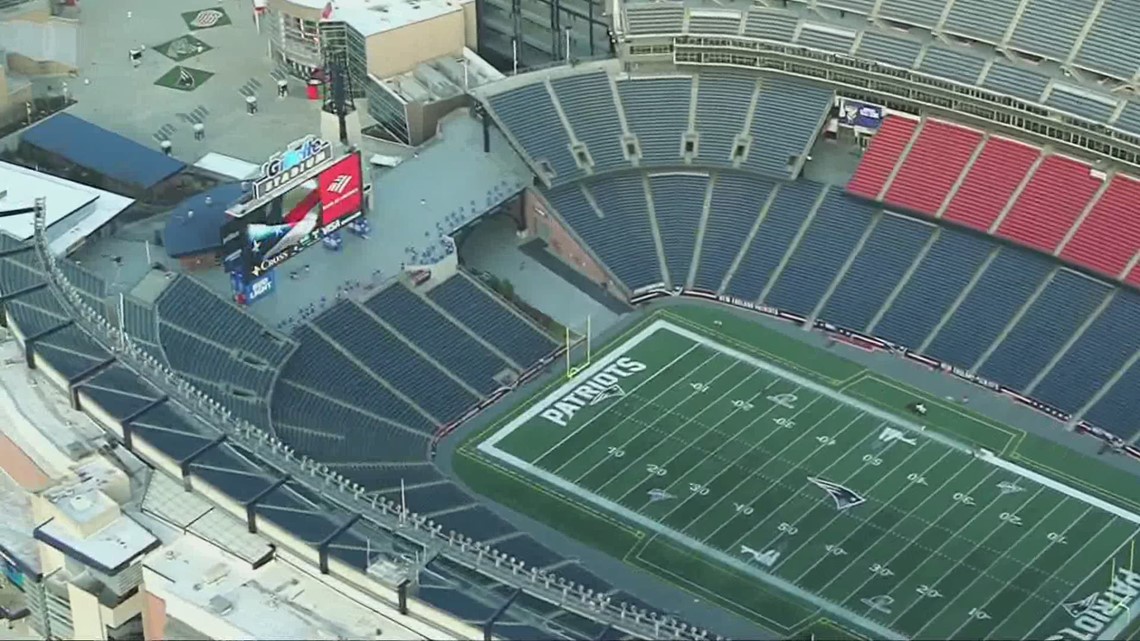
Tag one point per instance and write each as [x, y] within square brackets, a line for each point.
[844, 497]
[1077, 608]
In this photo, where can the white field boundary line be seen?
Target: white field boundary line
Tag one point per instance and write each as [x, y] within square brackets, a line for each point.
[489, 447]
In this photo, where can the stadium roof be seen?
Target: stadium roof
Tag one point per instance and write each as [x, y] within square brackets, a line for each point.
[195, 224]
[443, 78]
[370, 17]
[102, 151]
[229, 166]
[92, 208]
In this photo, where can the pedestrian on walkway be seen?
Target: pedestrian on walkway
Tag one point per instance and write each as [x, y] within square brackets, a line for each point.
[282, 88]
[199, 131]
[136, 57]
[167, 147]
[251, 104]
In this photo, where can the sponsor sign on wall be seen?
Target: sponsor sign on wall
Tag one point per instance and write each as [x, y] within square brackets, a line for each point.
[862, 115]
[342, 189]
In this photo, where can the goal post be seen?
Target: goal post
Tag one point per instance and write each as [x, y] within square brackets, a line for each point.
[579, 348]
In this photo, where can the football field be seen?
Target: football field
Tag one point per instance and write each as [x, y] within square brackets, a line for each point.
[791, 497]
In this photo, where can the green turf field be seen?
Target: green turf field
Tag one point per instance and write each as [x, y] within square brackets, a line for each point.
[793, 487]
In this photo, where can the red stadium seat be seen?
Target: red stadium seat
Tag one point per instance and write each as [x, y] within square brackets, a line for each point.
[1046, 210]
[1109, 236]
[991, 182]
[880, 159]
[934, 163]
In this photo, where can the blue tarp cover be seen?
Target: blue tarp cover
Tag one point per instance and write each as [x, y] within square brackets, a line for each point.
[102, 151]
[186, 234]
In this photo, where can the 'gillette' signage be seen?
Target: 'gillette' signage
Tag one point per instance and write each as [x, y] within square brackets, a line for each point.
[296, 162]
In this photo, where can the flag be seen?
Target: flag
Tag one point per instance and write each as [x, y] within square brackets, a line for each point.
[326, 13]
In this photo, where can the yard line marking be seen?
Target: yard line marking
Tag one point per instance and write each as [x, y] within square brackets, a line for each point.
[558, 393]
[882, 507]
[752, 448]
[667, 389]
[909, 542]
[981, 571]
[646, 427]
[934, 553]
[776, 510]
[685, 423]
[1079, 584]
[1049, 545]
[711, 429]
[754, 473]
[838, 514]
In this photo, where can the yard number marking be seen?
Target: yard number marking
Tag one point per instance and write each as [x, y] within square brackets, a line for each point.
[787, 528]
[881, 570]
[928, 592]
[964, 499]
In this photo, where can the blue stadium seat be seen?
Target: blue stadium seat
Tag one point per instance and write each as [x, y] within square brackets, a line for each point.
[889, 252]
[1003, 289]
[1101, 350]
[733, 208]
[1118, 411]
[333, 432]
[207, 361]
[1044, 329]
[119, 392]
[139, 320]
[197, 310]
[529, 115]
[657, 110]
[790, 207]
[588, 103]
[926, 296]
[723, 100]
[832, 236]
[788, 115]
[464, 356]
[476, 522]
[395, 361]
[319, 366]
[429, 499]
[480, 312]
[632, 254]
[678, 203]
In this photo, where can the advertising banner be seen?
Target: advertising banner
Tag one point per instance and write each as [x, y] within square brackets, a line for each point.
[863, 115]
[341, 189]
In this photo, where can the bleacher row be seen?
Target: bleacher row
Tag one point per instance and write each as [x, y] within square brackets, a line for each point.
[1052, 203]
[1009, 47]
[1007, 313]
[763, 124]
[383, 454]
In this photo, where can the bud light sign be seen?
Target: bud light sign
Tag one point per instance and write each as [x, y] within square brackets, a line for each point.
[862, 115]
[254, 290]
